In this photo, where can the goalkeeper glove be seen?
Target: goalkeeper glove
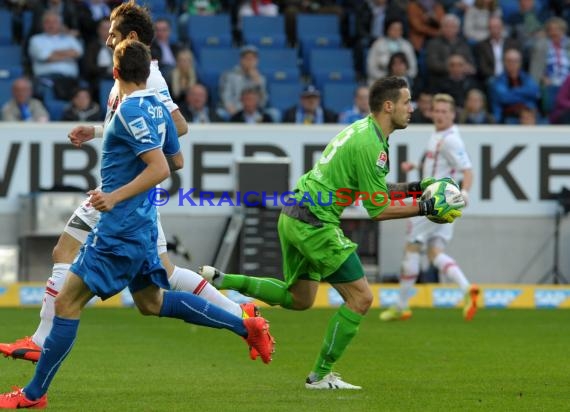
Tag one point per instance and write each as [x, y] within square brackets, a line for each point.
[419, 187]
[438, 208]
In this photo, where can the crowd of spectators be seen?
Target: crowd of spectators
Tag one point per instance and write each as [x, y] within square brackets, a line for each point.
[502, 64]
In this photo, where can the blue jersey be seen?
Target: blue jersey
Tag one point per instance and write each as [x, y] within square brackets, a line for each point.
[140, 124]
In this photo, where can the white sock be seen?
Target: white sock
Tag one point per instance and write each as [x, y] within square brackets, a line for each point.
[53, 287]
[187, 280]
[447, 266]
[408, 276]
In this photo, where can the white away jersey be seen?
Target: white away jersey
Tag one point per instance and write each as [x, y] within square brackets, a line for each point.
[155, 81]
[445, 154]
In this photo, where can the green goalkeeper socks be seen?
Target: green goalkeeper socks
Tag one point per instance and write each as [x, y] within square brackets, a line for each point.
[269, 290]
[343, 326]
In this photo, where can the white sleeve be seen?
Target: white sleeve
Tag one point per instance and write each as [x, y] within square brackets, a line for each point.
[455, 153]
[156, 81]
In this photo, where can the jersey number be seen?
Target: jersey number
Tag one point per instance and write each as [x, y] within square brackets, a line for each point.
[338, 143]
[162, 133]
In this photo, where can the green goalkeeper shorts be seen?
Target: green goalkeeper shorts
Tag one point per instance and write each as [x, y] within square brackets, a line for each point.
[316, 253]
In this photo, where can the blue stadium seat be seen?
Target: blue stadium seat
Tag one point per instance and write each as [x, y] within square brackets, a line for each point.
[322, 71]
[211, 63]
[317, 31]
[5, 27]
[283, 95]
[172, 19]
[105, 87]
[279, 65]
[264, 31]
[209, 31]
[157, 6]
[338, 96]
[55, 108]
[10, 55]
[5, 90]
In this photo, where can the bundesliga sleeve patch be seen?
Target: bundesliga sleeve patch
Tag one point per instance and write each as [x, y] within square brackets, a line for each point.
[139, 128]
[165, 94]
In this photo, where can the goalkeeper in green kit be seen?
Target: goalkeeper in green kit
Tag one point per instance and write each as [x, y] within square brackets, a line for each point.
[353, 167]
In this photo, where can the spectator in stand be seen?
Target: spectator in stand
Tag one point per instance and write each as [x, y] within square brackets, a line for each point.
[513, 89]
[490, 52]
[528, 116]
[424, 17]
[162, 49]
[384, 47]
[251, 113]
[67, 11]
[245, 75]
[89, 12]
[22, 107]
[441, 47]
[182, 76]
[422, 114]
[195, 8]
[476, 20]
[309, 109]
[257, 8]
[98, 59]
[82, 108]
[55, 58]
[370, 22]
[459, 80]
[290, 9]
[475, 110]
[195, 108]
[527, 24]
[398, 66]
[359, 110]
[561, 112]
[550, 56]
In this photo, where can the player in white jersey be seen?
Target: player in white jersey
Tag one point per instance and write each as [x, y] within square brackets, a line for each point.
[445, 156]
[132, 21]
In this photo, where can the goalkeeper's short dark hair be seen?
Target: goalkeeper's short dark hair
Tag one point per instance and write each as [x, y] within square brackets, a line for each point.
[385, 89]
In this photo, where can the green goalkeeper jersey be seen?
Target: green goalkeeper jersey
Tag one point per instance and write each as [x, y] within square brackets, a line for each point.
[356, 160]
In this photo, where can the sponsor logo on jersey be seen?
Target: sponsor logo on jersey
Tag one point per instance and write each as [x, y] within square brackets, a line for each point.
[382, 159]
[31, 295]
[446, 297]
[334, 297]
[549, 298]
[500, 298]
[139, 128]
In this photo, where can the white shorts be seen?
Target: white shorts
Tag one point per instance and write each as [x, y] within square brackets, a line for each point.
[421, 230]
[86, 217]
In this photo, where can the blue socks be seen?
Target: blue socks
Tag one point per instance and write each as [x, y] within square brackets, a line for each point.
[56, 347]
[194, 309]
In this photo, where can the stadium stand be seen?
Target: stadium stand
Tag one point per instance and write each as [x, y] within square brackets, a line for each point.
[209, 31]
[264, 31]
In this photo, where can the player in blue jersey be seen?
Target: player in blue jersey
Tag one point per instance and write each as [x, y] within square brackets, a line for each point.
[128, 21]
[117, 253]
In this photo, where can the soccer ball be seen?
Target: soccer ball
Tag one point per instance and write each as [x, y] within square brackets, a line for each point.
[452, 197]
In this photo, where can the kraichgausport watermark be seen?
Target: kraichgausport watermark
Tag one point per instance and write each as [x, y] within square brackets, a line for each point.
[342, 197]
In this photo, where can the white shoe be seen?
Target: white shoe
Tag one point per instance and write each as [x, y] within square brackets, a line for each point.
[330, 381]
[211, 274]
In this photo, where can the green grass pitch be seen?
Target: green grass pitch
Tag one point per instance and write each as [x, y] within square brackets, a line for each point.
[505, 360]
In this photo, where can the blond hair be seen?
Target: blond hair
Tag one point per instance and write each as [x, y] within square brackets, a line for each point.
[444, 98]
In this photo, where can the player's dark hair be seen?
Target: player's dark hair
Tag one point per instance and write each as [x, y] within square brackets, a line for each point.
[132, 60]
[130, 17]
[383, 90]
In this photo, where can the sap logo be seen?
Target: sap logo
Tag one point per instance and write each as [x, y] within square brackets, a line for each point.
[138, 128]
[446, 297]
[31, 295]
[334, 297]
[500, 298]
[389, 297]
[127, 298]
[237, 297]
[548, 298]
